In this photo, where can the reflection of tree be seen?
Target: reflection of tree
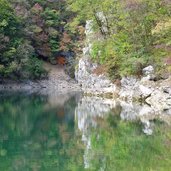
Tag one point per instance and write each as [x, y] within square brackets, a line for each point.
[125, 147]
[112, 143]
[34, 137]
[18, 112]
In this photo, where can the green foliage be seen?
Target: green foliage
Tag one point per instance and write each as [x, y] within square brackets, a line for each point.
[15, 50]
[126, 42]
[127, 33]
[35, 68]
[28, 29]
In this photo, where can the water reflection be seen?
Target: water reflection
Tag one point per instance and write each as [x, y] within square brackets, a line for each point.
[37, 135]
[71, 132]
[96, 116]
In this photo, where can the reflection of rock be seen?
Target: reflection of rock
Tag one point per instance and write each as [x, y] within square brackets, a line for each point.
[56, 99]
[135, 111]
[89, 109]
[144, 113]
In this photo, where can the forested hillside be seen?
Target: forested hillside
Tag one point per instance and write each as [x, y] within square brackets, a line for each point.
[31, 29]
[130, 34]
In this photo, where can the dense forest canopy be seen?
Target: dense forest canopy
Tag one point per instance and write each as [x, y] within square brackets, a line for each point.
[132, 34]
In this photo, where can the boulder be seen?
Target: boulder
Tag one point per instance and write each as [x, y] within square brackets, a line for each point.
[129, 88]
[148, 73]
[159, 100]
[145, 91]
[148, 70]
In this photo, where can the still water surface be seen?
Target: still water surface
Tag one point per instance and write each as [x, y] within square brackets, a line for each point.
[68, 132]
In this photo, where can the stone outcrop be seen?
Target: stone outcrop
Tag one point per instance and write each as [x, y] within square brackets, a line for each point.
[155, 93]
[90, 82]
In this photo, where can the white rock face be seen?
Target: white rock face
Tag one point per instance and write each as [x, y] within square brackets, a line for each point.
[161, 100]
[148, 130]
[89, 27]
[129, 88]
[148, 73]
[102, 18]
[145, 91]
[91, 83]
[167, 89]
[133, 88]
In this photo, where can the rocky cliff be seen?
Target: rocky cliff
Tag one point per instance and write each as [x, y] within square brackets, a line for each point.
[157, 94]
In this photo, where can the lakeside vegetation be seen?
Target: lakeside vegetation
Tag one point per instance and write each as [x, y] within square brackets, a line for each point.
[130, 35]
[31, 30]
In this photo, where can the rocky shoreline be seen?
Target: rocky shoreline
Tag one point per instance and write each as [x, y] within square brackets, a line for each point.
[40, 86]
[58, 81]
[156, 94]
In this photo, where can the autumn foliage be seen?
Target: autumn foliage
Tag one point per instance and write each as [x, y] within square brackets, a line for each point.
[61, 60]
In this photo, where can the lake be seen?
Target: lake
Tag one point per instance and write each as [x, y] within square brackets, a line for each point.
[70, 132]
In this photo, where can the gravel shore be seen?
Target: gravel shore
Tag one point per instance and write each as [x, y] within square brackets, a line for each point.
[57, 81]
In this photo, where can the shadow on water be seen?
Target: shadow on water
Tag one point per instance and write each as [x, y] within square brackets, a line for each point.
[70, 132]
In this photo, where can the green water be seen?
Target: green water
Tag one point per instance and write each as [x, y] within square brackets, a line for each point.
[39, 133]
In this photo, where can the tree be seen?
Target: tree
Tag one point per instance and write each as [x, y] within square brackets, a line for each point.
[126, 42]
